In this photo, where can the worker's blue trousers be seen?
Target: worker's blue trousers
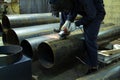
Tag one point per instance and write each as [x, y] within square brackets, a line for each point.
[90, 35]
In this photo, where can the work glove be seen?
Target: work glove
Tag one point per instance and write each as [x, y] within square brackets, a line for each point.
[65, 29]
[66, 25]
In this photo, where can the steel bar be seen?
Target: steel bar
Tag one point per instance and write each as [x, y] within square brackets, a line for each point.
[53, 52]
[111, 72]
[30, 45]
[16, 35]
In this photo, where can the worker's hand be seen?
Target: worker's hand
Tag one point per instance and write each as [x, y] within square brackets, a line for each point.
[65, 30]
[66, 25]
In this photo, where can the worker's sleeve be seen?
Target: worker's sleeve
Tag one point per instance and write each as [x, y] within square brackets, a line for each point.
[72, 15]
[90, 13]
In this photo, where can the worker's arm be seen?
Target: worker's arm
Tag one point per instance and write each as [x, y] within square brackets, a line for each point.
[72, 15]
[70, 18]
[90, 13]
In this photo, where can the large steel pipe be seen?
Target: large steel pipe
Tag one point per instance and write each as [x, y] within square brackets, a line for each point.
[104, 37]
[16, 35]
[53, 52]
[111, 72]
[30, 45]
[20, 20]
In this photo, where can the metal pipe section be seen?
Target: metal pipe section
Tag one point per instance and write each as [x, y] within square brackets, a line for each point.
[104, 37]
[20, 20]
[16, 35]
[111, 72]
[53, 52]
[30, 45]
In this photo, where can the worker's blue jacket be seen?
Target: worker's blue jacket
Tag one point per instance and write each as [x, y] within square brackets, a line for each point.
[93, 13]
[89, 9]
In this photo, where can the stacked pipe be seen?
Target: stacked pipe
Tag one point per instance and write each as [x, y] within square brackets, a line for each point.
[12, 21]
[26, 20]
[30, 45]
[30, 37]
[16, 35]
[47, 47]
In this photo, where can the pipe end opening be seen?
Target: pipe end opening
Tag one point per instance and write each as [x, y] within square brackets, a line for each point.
[27, 49]
[46, 56]
[5, 21]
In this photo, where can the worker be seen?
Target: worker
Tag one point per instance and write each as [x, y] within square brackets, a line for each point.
[93, 13]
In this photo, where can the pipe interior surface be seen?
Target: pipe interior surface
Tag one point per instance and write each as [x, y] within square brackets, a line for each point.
[5, 21]
[27, 49]
[46, 56]
[11, 37]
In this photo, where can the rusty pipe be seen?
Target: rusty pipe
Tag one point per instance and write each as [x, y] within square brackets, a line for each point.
[16, 35]
[53, 52]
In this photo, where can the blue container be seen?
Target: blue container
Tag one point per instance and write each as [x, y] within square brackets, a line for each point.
[20, 70]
